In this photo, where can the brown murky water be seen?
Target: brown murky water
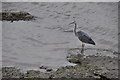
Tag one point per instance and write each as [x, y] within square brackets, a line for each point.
[47, 40]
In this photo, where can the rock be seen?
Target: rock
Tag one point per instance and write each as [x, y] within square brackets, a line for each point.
[43, 67]
[49, 69]
[32, 73]
[77, 59]
[12, 15]
[102, 65]
[11, 72]
[74, 60]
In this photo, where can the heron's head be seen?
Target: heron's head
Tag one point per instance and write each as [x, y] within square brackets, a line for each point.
[73, 22]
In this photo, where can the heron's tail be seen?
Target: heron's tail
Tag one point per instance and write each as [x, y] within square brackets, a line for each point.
[92, 42]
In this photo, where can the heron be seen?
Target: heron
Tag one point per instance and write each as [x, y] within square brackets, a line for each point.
[82, 36]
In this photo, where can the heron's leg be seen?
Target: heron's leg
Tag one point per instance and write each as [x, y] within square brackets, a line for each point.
[82, 50]
[83, 45]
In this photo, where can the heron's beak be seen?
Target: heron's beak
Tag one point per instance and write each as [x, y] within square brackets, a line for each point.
[71, 23]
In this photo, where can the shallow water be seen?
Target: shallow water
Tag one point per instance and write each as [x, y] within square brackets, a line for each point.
[46, 40]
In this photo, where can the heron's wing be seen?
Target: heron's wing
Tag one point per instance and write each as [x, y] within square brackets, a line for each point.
[84, 37]
[83, 34]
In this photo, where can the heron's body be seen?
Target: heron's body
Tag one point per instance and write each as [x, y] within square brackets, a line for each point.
[83, 37]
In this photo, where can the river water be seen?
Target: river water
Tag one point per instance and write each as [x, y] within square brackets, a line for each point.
[46, 40]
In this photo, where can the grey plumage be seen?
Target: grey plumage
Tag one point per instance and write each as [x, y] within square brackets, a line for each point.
[85, 38]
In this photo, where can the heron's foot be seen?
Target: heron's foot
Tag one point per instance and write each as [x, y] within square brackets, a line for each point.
[83, 45]
[82, 51]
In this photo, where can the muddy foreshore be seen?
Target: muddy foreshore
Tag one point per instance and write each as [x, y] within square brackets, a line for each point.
[89, 67]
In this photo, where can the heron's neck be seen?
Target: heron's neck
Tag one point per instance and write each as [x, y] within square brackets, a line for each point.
[75, 29]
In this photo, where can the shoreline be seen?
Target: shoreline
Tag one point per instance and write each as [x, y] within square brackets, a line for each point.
[89, 67]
